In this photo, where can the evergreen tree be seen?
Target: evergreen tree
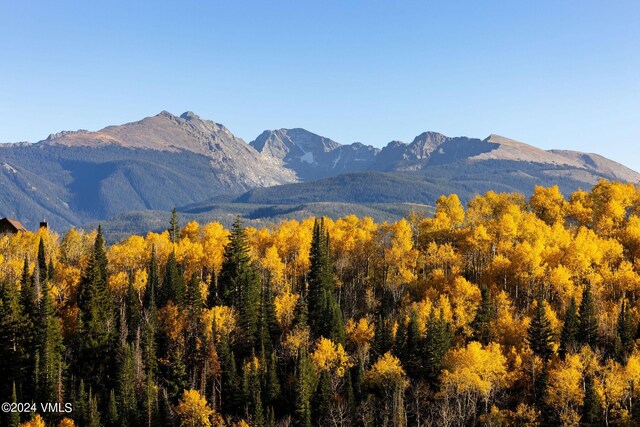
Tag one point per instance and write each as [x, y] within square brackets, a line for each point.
[302, 399]
[13, 417]
[212, 294]
[174, 229]
[321, 400]
[252, 393]
[42, 261]
[51, 271]
[96, 318]
[231, 390]
[569, 334]
[27, 298]
[194, 296]
[268, 330]
[624, 334]
[49, 347]
[153, 281]
[94, 413]
[591, 406]
[437, 343]
[272, 383]
[239, 286]
[13, 338]
[126, 385]
[481, 324]
[173, 287]
[539, 333]
[383, 339]
[412, 351]
[112, 415]
[587, 319]
[325, 316]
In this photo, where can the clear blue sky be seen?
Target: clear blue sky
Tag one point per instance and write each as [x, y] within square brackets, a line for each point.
[557, 74]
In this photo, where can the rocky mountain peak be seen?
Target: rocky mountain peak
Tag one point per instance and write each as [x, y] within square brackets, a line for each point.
[189, 115]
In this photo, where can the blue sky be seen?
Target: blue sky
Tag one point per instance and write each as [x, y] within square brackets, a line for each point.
[557, 74]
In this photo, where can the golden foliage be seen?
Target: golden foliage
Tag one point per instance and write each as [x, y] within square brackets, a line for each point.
[224, 318]
[193, 410]
[331, 357]
[285, 305]
[36, 421]
[387, 371]
[475, 369]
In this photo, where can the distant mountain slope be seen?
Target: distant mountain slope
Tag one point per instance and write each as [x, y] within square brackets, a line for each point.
[140, 222]
[77, 177]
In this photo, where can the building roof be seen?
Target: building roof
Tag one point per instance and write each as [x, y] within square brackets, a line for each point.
[14, 223]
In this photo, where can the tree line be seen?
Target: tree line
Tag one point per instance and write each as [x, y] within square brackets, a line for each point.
[505, 312]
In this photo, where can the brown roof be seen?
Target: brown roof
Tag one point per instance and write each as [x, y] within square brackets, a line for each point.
[15, 223]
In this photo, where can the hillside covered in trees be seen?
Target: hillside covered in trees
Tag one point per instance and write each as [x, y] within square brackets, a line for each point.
[505, 312]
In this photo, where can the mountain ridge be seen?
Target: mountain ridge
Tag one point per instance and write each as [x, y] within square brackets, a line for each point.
[162, 161]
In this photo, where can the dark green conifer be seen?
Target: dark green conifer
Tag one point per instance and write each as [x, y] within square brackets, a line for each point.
[591, 406]
[624, 333]
[174, 229]
[96, 318]
[482, 330]
[173, 287]
[303, 391]
[539, 333]
[325, 316]
[49, 347]
[587, 319]
[112, 414]
[569, 334]
[437, 343]
[42, 261]
[239, 286]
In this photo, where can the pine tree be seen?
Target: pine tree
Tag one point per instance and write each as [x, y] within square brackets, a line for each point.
[96, 318]
[437, 343]
[81, 405]
[112, 415]
[94, 413]
[482, 330]
[42, 261]
[252, 393]
[239, 286]
[272, 383]
[212, 293]
[268, 330]
[13, 342]
[539, 333]
[126, 385]
[49, 346]
[587, 319]
[173, 287]
[51, 272]
[153, 281]
[325, 316]
[412, 351]
[231, 390]
[569, 334]
[321, 400]
[13, 417]
[591, 406]
[27, 298]
[624, 334]
[302, 399]
[194, 296]
[174, 229]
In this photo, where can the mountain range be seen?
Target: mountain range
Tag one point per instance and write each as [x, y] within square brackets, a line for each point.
[73, 178]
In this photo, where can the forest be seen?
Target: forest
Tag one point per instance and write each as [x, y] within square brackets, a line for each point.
[509, 311]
